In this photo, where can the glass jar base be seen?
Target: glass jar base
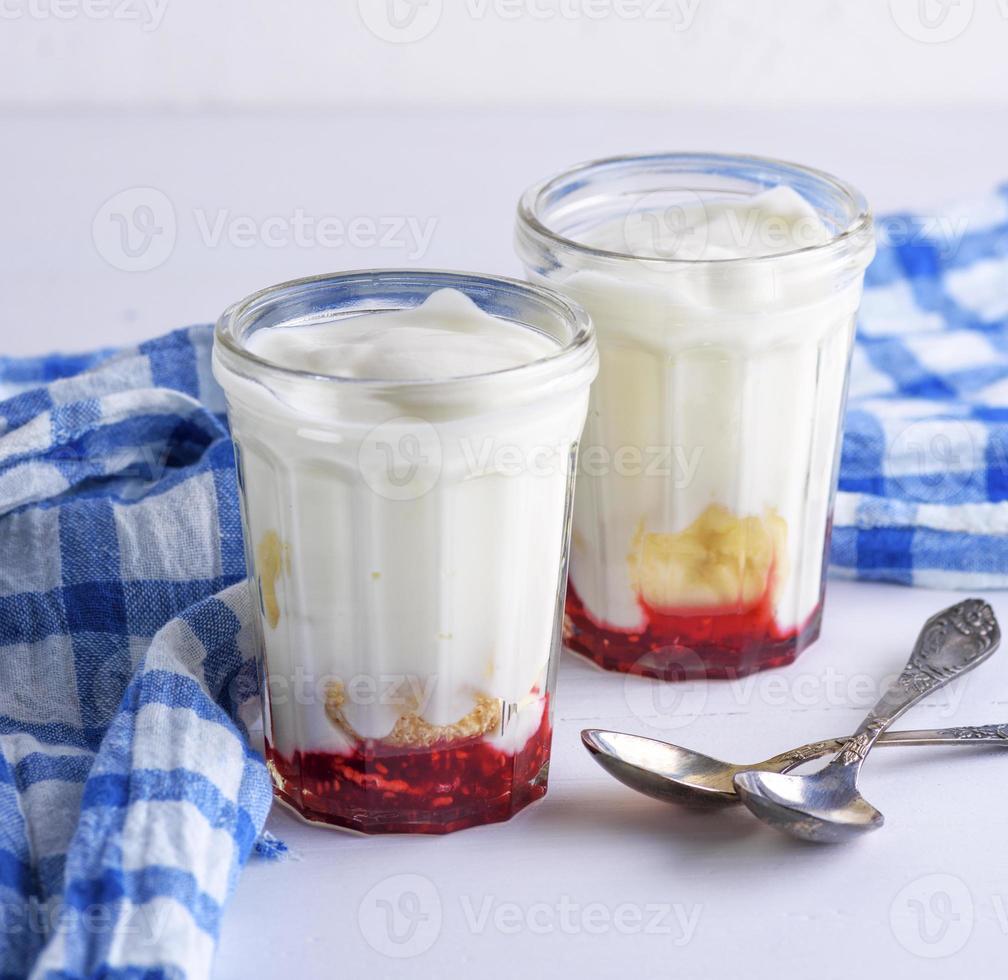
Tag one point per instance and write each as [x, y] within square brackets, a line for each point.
[437, 790]
[415, 823]
[683, 648]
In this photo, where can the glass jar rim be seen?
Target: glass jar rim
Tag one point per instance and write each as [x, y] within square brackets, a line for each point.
[578, 350]
[855, 237]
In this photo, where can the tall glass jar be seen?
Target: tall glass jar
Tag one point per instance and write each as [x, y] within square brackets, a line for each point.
[407, 549]
[724, 291]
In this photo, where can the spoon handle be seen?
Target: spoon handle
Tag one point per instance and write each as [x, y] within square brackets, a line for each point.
[951, 643]
[974, 734]
[982, 734]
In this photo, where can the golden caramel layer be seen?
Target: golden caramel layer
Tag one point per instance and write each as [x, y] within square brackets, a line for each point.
[719, 560]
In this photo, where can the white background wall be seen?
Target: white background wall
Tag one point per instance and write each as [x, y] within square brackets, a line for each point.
[656, 53]
[185, 123]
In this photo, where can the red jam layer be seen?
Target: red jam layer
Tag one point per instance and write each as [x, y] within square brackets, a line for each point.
[383, 790]
[690, 644]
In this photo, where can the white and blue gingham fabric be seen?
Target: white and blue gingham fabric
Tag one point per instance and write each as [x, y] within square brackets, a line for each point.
[924, 478]
[129, 798]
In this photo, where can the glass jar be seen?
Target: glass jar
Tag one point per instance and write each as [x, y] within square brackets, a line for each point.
[723, 291]
[407, 549]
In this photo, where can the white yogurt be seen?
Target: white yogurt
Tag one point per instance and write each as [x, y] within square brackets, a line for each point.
[736, 370]
[429, 586]
[448, 336]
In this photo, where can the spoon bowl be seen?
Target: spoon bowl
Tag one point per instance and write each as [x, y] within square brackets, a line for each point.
[827, 810]
[663, 771]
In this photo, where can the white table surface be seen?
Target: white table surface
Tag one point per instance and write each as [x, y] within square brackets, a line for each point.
[596, 881]
[593, 880]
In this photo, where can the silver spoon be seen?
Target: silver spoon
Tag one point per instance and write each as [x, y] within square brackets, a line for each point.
[826, 806]
[676, 775]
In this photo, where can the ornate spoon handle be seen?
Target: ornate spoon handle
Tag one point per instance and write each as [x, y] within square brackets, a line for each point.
[975, 734]
[948, 736]
[951, 643]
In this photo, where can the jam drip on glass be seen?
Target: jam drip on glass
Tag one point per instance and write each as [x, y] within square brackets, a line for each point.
[432, 790]
[692, 643]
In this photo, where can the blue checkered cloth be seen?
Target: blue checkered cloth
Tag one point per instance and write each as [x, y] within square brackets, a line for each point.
[129, 797]
[924, 477]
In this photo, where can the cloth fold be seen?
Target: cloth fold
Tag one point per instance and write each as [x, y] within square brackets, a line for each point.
[129, 798]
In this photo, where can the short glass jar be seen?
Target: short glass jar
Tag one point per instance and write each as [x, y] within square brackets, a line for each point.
[407, 546]
[724, 291]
